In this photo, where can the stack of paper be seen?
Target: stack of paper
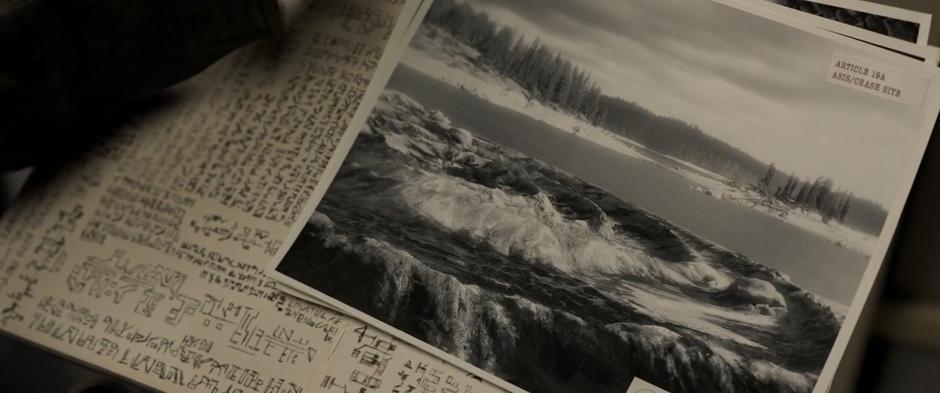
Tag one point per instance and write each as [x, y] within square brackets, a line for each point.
[482, 196]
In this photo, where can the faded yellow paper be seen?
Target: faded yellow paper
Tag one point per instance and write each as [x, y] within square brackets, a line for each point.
[145, 257]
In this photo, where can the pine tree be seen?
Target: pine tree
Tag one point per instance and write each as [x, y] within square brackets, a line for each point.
[801, 195]
[439, 11]
[810, 197]
[516, 58]
[554, 78]
[768, 177]
[563, 89]
[499, 50]
[844, 209]
[823, 195]
[791, 186]
[601, 116]
[578, 90]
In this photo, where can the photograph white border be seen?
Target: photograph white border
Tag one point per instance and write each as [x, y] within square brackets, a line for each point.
[923, 19]
[918, 49]
[874, 262]
[932, 56]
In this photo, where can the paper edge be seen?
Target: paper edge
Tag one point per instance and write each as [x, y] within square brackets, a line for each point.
[865, 285]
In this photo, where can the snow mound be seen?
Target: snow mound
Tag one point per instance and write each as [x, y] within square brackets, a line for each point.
[755, 294]
[320, 220]
[494, 199]
[658, 334]
[440, 227]
[526, 226]
[796, 382]
[700, 274]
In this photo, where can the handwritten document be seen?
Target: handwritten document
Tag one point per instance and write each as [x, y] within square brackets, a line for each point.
[370, 361]
[145, 257]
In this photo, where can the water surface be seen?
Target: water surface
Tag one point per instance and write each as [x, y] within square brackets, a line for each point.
[811, 261]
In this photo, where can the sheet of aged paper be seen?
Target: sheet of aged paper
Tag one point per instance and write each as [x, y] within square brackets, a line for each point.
[145, 258]
[371, 361]
[414, 24]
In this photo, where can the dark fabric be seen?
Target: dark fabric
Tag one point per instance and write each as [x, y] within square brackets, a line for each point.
[65, 65]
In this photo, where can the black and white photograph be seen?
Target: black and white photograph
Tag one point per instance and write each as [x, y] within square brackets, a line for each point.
[896, 29]
[905, 30]
[571, 194]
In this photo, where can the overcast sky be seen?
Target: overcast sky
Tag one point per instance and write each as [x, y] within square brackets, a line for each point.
[756, 84]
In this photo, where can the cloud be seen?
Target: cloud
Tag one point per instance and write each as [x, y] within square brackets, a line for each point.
[752, 82]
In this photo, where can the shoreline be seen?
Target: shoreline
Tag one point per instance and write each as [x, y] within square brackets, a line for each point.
[448, 62]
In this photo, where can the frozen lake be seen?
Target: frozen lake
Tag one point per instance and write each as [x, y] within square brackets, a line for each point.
[811, 261]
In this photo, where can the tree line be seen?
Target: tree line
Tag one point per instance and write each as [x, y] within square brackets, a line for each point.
[688, 142]
[545, 74]
[680, 139]
[819, 195]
